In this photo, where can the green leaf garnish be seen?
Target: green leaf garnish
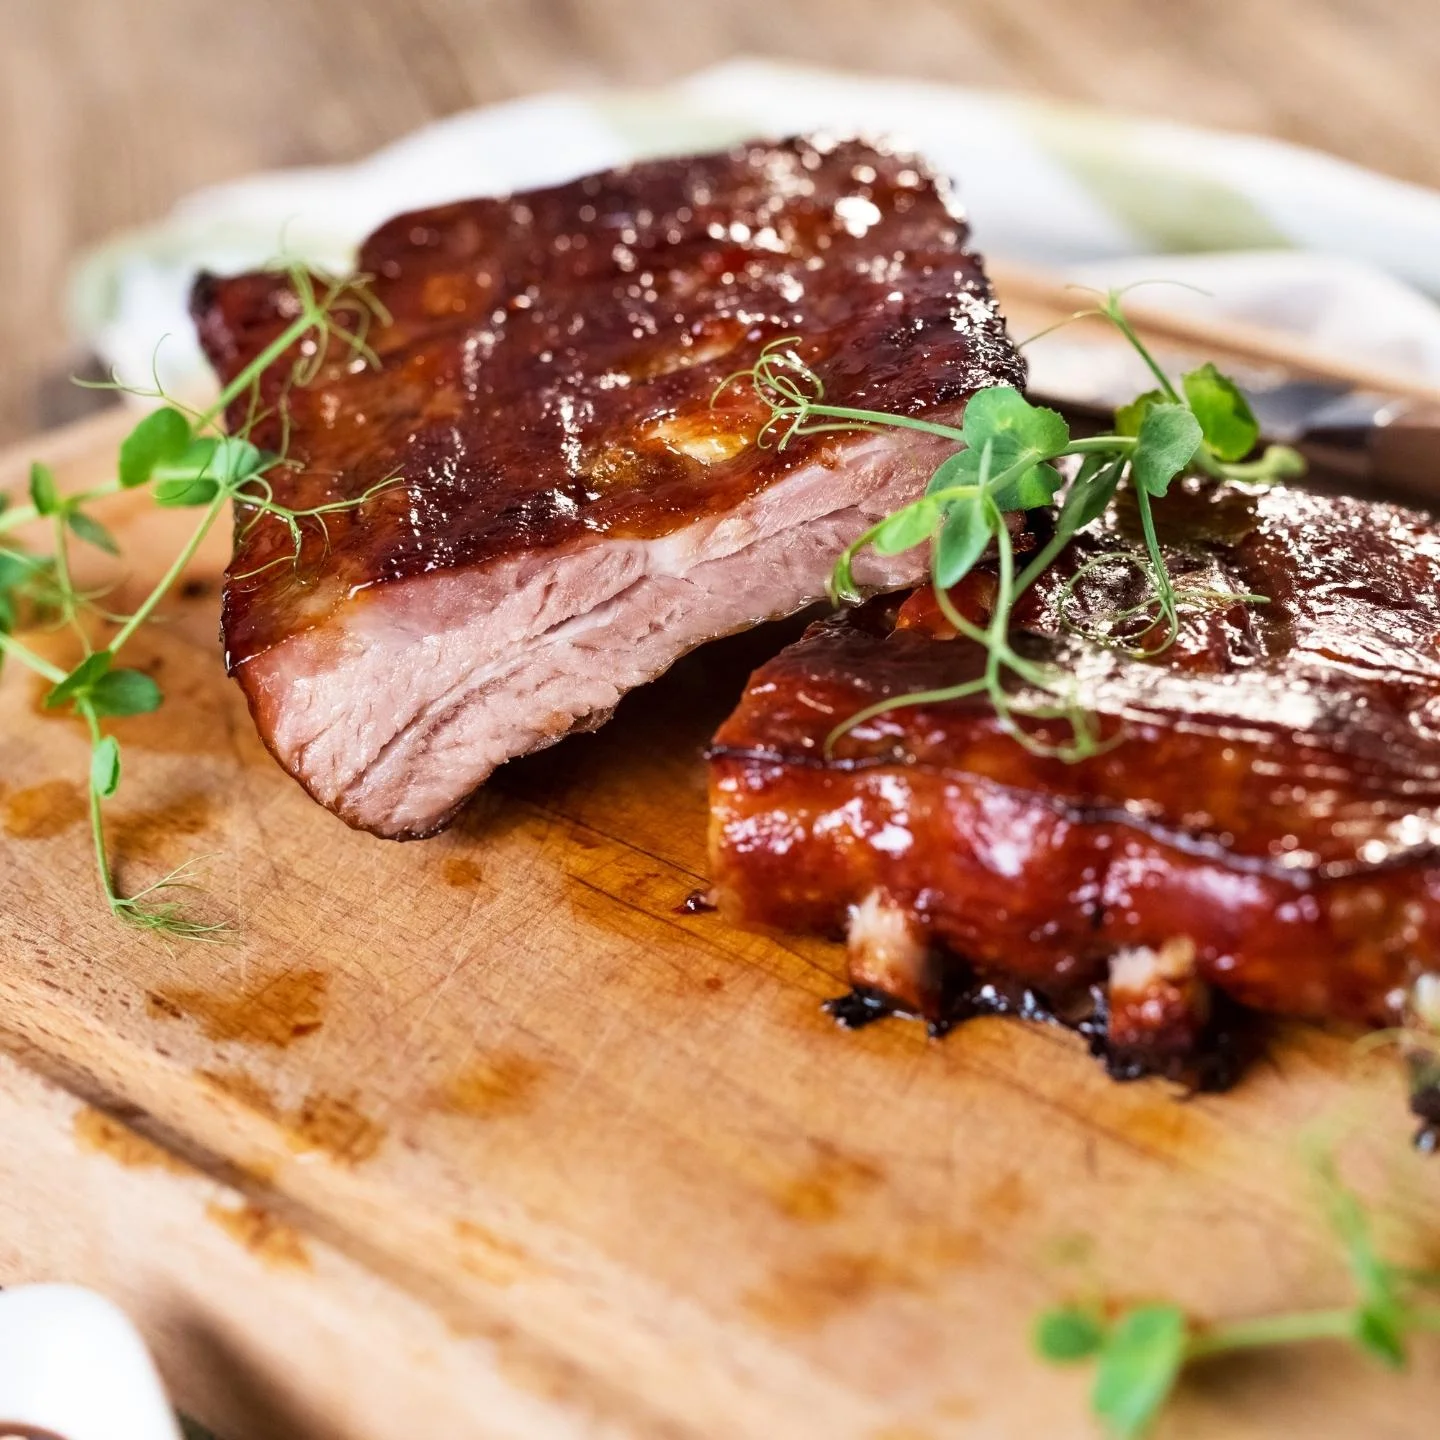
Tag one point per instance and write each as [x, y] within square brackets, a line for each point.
[179, 492]
[907, 528]
[44, 494]
[1128, 418]
[1003, 464]
[1226, 419]
[1380, 1331]
[186, 460]
[230, 459]
[160, 436]
[16, 568]
[1143, 1352]
[1168, 439]
[91, 531]
[966, 533]
[951, 472]
[206, 468]
[105, 767]
[1030, 490]
[1066, 1335]
[1090, 494]
[95, 684]
[1022, 437]
[124, 692]
[1140, 1362]
[80, 681]
[1002, 415]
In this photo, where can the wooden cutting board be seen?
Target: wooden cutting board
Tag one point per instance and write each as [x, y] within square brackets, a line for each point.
[487, 1136]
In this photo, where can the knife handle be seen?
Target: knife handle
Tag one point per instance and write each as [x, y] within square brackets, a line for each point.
[1397, 457]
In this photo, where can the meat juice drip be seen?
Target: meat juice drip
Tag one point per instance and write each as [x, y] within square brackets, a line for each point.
[1228, 1042]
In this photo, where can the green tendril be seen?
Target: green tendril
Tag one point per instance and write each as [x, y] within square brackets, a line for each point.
[1142, 1351]
[183, 458]
[1003, 466]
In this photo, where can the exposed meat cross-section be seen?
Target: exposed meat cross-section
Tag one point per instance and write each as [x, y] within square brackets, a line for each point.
[570, 513]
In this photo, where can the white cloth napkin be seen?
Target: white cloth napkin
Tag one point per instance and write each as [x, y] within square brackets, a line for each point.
[72, 1365]
[1274, 233]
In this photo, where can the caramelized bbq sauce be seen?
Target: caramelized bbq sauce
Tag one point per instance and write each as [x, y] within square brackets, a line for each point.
[1273, 792]
[548, 363]
[1301, 736]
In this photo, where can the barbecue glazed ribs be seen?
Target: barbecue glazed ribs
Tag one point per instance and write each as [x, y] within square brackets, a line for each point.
[1263, 827]
[572, 515]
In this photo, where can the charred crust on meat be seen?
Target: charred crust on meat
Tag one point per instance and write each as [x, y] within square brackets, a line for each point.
[565, 500]
[1261, 834]
[1425, 1102]
[1422, 1058]
[1212, 1059]
[860, 1006]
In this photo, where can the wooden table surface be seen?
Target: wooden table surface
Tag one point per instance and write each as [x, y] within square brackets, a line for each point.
[490, 1136]
[112, 109]
[109, 111]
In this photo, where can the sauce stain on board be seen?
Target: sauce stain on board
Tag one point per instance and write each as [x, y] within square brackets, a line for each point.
[805, 1295]
[530, 1366]
[272, 1241]
[502, 1083]
[102, 1134]
[275, 1012]
[1156, 1123]
[827, 1187]
[461, 873]
[321, 1123]
[956, 1407]
[1068, 1247]
[261, 1171]
[1001, 1202]
[334, 1126]
[245, 1088]
[808, 1293]
[152, 834]
[490, 1256]
[42, 811]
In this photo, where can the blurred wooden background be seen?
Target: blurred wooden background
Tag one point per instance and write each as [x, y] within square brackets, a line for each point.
[112, 109]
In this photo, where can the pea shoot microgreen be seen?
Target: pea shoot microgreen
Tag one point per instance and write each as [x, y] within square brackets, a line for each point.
[183, 458]
[1003, 465]
[1141, 1351]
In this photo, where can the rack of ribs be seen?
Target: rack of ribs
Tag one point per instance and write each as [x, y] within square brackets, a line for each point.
[1258, 829]
[569, 512]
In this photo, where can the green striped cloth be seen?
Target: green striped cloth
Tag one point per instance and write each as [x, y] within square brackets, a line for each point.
[1060, 186]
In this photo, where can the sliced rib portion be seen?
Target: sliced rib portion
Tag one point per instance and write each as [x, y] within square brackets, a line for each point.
[1264, 824]
[571, 513]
